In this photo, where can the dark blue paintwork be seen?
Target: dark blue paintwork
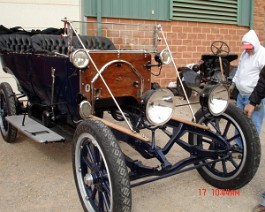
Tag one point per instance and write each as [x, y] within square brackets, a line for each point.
[33, 73]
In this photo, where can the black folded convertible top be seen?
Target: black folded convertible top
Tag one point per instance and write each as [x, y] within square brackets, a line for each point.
[20, 30]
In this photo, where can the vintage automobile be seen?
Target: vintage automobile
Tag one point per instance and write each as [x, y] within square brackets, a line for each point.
[215, 67]
[95, 89]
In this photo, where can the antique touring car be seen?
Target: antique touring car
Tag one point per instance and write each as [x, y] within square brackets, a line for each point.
[69, 82]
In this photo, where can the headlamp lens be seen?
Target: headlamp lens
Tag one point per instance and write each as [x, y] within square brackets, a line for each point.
[216, 97]
[165, 56]
[159, 106]
[79, 58]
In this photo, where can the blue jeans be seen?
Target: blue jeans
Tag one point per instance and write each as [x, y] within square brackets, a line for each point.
[263, 199]
[257, 116]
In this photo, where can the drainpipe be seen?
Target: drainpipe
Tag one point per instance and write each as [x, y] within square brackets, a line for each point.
[83, 27]
[251, 14]
[263, 28]
[99, 16]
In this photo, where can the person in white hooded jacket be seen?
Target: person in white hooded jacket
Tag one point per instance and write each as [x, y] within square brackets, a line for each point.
[251, 62]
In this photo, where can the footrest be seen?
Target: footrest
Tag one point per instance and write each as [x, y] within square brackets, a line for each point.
[34, 130]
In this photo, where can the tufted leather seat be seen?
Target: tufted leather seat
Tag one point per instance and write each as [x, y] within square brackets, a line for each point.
[47, 43]
[55, 43]
[95, 42]
[20, 43]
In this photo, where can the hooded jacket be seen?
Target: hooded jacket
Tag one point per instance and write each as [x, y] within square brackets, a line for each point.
[249, 66]
[259, 91]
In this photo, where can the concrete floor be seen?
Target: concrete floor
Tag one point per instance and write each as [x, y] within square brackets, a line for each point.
[38, 177]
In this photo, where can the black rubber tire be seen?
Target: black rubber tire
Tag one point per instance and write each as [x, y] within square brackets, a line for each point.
[7, 108]
[245, 167]
[92, 137]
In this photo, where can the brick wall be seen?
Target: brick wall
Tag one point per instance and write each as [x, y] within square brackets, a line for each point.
[259, 17]
[188, 40]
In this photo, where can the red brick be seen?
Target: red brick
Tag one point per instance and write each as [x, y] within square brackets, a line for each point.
[189, 40]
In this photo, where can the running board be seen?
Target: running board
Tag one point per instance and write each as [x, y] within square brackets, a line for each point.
[33, 129]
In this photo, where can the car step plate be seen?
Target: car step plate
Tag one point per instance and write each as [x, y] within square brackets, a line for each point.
[33, 129]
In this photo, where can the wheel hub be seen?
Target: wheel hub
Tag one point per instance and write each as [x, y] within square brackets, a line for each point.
[96, 178]
[88, 179]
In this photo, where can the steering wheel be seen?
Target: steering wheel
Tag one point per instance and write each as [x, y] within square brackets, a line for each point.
[219, 47]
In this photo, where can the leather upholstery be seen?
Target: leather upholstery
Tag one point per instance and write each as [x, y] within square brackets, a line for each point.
[46, 43]
[95, 42]
[15, 43]
[49, 44]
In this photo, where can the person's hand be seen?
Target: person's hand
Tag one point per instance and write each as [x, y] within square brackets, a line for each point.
[231, 88]
[249, 109]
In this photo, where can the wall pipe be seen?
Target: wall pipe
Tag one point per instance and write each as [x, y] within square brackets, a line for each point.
[99, 16]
